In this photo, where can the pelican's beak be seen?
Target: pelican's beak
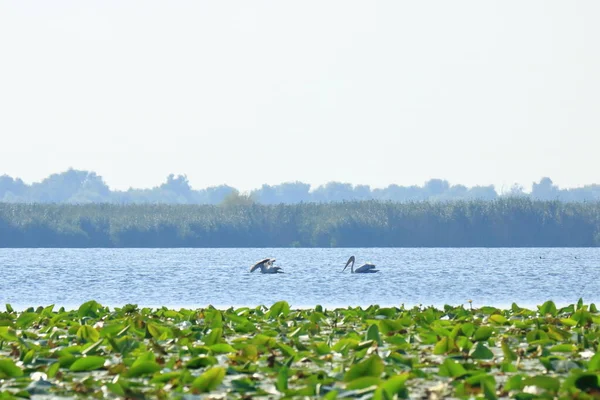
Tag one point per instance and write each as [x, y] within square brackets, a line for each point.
[348, 263]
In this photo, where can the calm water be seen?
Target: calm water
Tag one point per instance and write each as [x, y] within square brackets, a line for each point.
[198, 277]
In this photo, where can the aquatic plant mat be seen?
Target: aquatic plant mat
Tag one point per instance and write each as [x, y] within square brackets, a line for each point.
[379, 353]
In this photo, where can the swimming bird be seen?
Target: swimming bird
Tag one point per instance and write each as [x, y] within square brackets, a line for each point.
[366, 268]
[266, 267]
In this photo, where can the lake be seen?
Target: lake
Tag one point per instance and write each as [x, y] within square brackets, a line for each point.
[199, 277]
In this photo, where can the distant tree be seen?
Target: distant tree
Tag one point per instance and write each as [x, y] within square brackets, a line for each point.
[76, 186]
[400, 193]
[436, 187]
[11, 189]
[362, 192]
[69, 185]
[333, 191]
[586, 193]
[236, 199]
[177, 188]
[455, 192]
[266, 195]
[293, 192]
[516, 190]
[545, 190]
[93, 190]
[214, 194]
[482, 193]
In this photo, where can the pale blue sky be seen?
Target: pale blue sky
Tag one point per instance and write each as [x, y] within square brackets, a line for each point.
[251, 92]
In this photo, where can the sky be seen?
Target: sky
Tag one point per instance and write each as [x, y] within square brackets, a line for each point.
[252, 92]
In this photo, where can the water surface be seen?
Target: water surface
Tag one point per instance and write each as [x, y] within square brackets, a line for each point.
[198, 277]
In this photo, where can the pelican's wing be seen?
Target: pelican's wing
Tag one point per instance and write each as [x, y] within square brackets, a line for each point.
[365, 267]
[258, 264]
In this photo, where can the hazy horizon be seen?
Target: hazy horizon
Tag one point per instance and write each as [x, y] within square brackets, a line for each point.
[245, 94]
[159, 182]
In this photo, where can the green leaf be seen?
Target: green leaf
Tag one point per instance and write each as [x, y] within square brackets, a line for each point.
[29, 357]
[387, 325]
[213, 337]
[463, 343]
[282, 380]
[363, 382]
[452, 369]
[543, 382]
[88, 363]
[147, 356]
[155, 330]
[8, 334]
[373, 334]
[372, 366]
[166, 377]
[93, 347]
[222, 348]
[67, 360]
[594, 363]
[486, 382]
[243, 385]
[508, 367]
[216, 319]
[322, 348]
[209, 380]
[381, 394]
[88, 309]
[9, 369]
[26, 319]
[52, 370]
[88, 333]
[509, 355]
[536, 334]
[286, 350]
[568, 321]
[444, 346]
[483, 333]
[498, 319]
[468, 329]
[563, 348]
[548, 308]
[481, 352]
[115, 388]
[143, 368]
[514, 383]
[200, 362]
[279, 308]
[395, 385]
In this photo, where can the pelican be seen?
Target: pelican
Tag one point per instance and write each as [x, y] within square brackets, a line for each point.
[366, 268]
[266, 267]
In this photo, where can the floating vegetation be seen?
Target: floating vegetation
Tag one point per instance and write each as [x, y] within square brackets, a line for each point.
[379, 353]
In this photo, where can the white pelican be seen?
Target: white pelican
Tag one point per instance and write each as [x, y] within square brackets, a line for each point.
[366, 268]
[266, 267]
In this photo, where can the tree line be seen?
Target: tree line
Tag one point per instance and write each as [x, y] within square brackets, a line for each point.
[80, 187]
[504, 222]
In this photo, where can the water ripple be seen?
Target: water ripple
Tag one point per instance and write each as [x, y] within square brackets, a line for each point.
[198, 277]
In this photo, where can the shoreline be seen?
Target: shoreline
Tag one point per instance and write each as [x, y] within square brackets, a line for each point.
[68, 307]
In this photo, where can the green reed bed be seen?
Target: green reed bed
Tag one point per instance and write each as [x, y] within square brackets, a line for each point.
[377, 352]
